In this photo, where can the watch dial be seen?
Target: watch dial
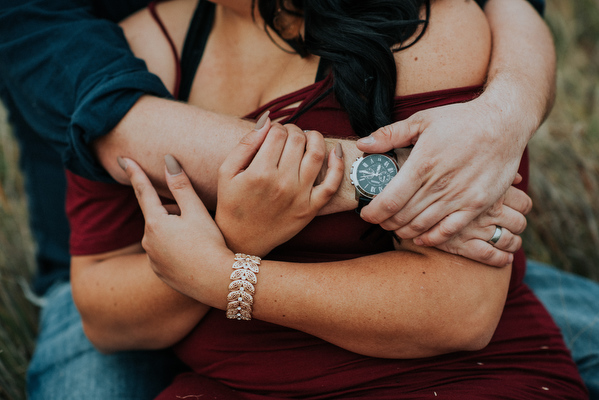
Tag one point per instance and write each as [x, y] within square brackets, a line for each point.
[375, 172]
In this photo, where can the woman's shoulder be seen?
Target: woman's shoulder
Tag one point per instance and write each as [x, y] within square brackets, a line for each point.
[149, 42]
[454, 51]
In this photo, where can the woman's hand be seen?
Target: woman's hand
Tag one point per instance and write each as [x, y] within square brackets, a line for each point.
[266, 186]
[179, 240]
[508, 214]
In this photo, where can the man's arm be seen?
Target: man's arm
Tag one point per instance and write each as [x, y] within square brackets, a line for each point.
[477, 145]
[71, 74]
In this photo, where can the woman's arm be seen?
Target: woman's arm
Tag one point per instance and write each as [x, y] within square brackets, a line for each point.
[409, 303]
[124, 306]
[122, 302]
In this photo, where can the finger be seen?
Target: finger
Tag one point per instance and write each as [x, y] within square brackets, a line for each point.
[508, 242]
[485, 253]
[512, 220]
[517, 179]
[518, 200]
[183, 192]
[293, 152]
[394, 198]
[270, 152]
[396, 135]
[245, 151]
[313, 158]
[147, 197]
[322, 193]
[447, 228]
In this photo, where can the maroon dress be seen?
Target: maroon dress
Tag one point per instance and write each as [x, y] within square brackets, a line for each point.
[256, 360]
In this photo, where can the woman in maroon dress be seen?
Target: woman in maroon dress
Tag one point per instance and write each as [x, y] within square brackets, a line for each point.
[337, 312]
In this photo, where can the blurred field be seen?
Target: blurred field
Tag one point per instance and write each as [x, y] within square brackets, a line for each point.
[564, 224]
[563, 227]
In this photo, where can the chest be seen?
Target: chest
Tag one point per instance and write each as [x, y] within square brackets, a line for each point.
[231, 79]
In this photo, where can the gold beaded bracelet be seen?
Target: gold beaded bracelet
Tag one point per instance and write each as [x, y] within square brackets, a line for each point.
[242, 290]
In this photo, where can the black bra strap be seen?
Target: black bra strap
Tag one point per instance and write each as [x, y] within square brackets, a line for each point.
[195, 43]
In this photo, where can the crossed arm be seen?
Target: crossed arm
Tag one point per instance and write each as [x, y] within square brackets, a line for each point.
[445, 195]
[408, 303]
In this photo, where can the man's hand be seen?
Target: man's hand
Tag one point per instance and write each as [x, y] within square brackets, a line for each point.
[466, 155]
[460, 165]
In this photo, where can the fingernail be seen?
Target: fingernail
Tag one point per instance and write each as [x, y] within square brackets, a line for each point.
[122, 163]
[366, 140]
[339, 150]
[262, 121]
[172, 166]
[418, 242]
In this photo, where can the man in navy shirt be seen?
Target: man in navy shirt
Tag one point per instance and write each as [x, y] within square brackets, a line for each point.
[68, 78]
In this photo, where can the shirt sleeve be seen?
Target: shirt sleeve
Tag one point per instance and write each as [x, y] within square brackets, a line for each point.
[71, 74]
[539, 5]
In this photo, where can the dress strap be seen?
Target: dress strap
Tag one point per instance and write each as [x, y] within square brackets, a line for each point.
[152, 9]
[195, 43]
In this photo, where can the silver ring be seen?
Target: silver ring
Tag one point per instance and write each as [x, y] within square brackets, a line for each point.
[496, 235]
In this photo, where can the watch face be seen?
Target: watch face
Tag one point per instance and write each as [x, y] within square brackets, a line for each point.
[373, 173]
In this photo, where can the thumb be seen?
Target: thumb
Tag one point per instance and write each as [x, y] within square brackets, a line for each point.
[394, 136]
[181, 188]
[242, 155]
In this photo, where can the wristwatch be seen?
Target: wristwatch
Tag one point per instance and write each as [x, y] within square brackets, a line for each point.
[370, 174]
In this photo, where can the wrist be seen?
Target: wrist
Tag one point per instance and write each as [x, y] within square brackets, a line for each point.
[508, 114]
[344, 199]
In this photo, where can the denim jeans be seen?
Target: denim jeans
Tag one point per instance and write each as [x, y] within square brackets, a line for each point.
[66, 366]
[573, 302]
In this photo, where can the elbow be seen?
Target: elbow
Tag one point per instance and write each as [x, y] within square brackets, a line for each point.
[477, 337]
[474, 330]
[112, 339]
[98, 340]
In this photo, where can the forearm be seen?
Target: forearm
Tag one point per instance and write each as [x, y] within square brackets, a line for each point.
[398, 304]
[154, 127]
[200, 140]
[124, 306]
[521, 79]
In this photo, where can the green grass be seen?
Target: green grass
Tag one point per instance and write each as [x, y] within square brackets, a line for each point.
[17, 315]
[563, 226]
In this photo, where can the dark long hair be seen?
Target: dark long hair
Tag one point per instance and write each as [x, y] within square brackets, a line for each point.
[356, 39]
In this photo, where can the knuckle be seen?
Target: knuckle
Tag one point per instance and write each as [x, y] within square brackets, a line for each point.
[314, 135]
[527, 206]
[487, 254]
[386, 132]
[316, 155]
[145, 243]
[495, 210]
[448, 229]
[520, 225]
[328, 191]
[278, 131]
[442, 183]
[179, 183]
[390, 206]
[418, 227]
[425, 168]
[514, 244]
[297, 138]
[480, 201]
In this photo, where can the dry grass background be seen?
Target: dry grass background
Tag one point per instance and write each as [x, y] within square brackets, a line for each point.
[563, 227]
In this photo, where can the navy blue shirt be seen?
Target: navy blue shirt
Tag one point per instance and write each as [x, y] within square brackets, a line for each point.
[67, 77]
